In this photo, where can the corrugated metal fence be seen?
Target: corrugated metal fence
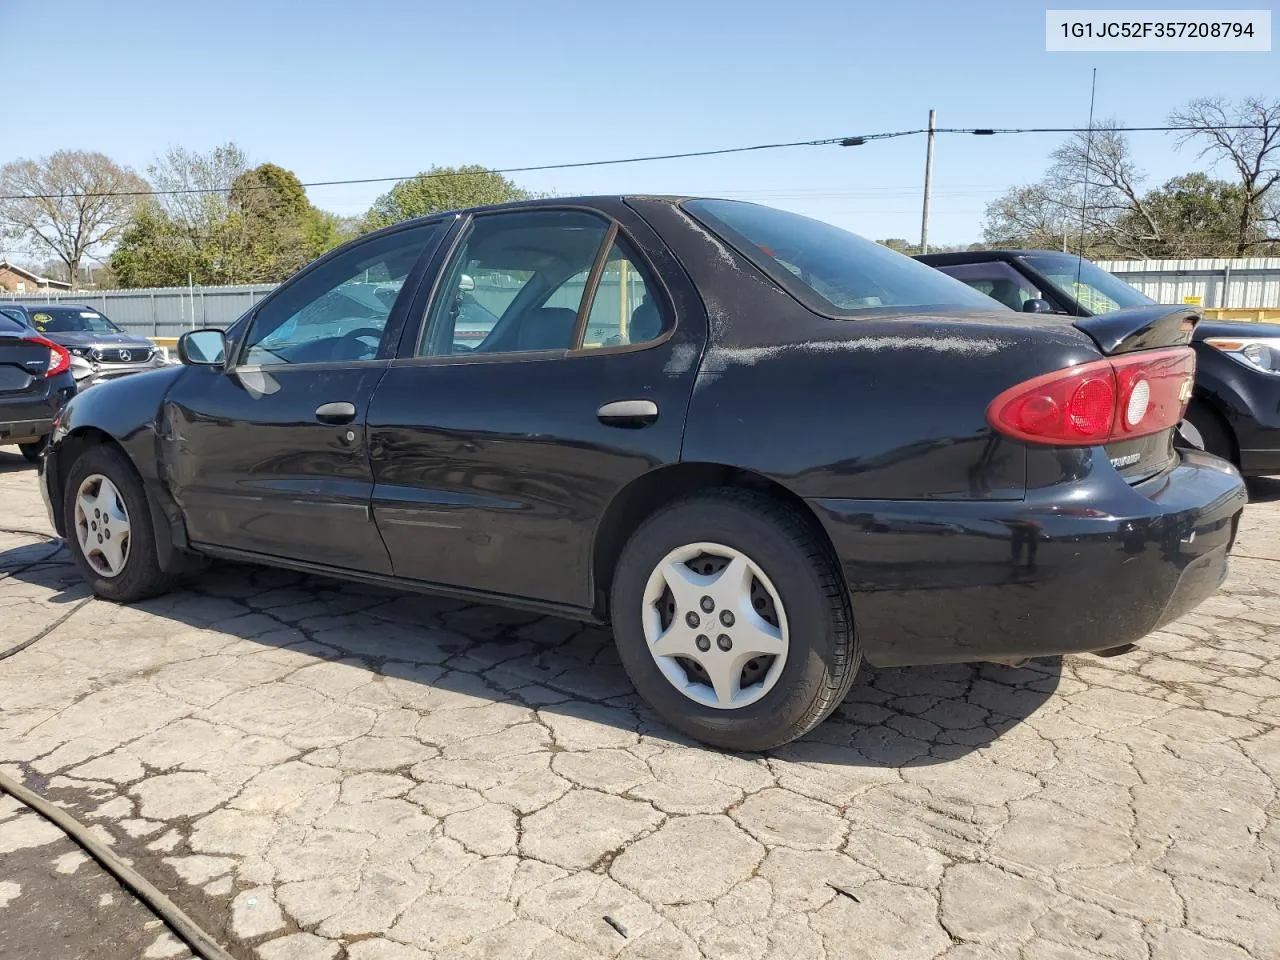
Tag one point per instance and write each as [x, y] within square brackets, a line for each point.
[167, 311]
[1252, 282]
[161, 311]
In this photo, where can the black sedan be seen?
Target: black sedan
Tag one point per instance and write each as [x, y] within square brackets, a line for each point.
[762, 447]
[1235, 410]
[35, 384]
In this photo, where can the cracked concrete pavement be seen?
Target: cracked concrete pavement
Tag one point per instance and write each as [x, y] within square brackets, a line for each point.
[319, 770]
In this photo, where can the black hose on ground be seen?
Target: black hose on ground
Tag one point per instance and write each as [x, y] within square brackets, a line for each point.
[58, 544]
[182, 925]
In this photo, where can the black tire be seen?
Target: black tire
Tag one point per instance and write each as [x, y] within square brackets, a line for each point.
[1213, 430]
[33, 450]
[141, 576]
[823, 654]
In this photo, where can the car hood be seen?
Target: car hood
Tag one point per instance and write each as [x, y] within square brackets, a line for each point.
[87, 339]
[1245, 329]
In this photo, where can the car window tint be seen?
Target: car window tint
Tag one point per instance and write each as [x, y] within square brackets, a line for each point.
[997, 280]
[17, 315]
[1088, 284]
[828, 269]
[337, 313]
[510, 284]
[9, 325]
[624, 310]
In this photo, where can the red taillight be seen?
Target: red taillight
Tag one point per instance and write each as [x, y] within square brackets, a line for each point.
[1120, 398]
[59, 357]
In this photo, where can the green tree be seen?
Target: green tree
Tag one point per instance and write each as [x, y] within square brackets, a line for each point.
[238, 225]
[1193, 216]
[438, 189]
[155, 251]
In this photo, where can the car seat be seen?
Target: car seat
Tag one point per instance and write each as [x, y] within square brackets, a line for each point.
[646, 322]
[547, 328]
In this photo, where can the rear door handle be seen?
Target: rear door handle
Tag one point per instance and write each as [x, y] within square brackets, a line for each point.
[628, 413]
[336, 413]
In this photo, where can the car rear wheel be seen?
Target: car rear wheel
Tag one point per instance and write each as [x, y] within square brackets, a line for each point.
[1206, 430]
[732, 621]
[108, 527]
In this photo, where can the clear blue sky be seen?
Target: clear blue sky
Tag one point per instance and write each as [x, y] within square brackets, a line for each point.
[389, 87]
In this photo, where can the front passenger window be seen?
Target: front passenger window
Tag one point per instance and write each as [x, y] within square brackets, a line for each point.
[337, 313]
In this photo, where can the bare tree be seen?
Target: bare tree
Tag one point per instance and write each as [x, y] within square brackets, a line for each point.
[70, 204]
[1245, 134]
[193, 188]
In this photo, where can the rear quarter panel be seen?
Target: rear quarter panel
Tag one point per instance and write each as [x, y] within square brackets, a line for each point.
[888, 407]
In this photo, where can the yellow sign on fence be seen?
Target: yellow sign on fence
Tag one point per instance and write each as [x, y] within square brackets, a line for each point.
[1193, 301]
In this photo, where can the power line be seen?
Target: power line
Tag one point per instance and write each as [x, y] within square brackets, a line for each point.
[853, 141]
[447, 174]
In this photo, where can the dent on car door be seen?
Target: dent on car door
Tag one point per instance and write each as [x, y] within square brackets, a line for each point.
[496, 453]
[270, 454]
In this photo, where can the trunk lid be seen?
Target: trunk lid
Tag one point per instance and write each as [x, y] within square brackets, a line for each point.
[23, 363]
[1140, 328]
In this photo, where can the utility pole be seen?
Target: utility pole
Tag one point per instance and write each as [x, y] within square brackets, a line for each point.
[928, 182]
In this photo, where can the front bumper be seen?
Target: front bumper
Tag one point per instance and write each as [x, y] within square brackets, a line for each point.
[940, 582]
[91, 374]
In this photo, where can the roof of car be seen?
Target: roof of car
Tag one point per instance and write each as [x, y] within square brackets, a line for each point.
[972, 256]
[44, 306]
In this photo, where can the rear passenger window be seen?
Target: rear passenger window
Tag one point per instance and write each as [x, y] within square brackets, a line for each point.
[624, 310]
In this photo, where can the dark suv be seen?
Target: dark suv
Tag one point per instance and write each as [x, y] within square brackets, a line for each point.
[99, 349]
[35, 384]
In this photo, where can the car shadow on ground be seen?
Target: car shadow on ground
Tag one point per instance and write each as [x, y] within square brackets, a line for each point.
[11, 461]
[891, 718]
[1264, 489]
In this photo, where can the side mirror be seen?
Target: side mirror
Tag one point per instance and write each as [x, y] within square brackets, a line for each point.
[203, 348]
[1037, 306]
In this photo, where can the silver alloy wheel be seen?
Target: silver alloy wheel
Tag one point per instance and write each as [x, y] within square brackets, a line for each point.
[715, 625]
[102, 525]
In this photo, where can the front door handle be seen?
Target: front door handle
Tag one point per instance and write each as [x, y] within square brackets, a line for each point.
[628, 413]
[336, 413]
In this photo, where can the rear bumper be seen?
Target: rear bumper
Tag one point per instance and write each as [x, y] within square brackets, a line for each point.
[1094, 566]
[24, 431]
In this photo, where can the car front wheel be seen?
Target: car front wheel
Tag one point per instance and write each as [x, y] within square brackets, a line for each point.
[732, 621]
[109, 528]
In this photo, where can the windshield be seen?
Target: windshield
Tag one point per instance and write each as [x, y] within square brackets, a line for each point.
[71, 320]
[828, 269]
[1097, 291]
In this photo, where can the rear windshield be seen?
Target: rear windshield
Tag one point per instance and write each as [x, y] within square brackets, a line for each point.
[830, 270]
[10, 325]
[71, 320]
[1086, 283]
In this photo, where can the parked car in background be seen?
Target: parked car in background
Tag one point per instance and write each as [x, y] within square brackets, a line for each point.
[35, 384]
[1235, 409]
[99, 349]
[797, 449]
